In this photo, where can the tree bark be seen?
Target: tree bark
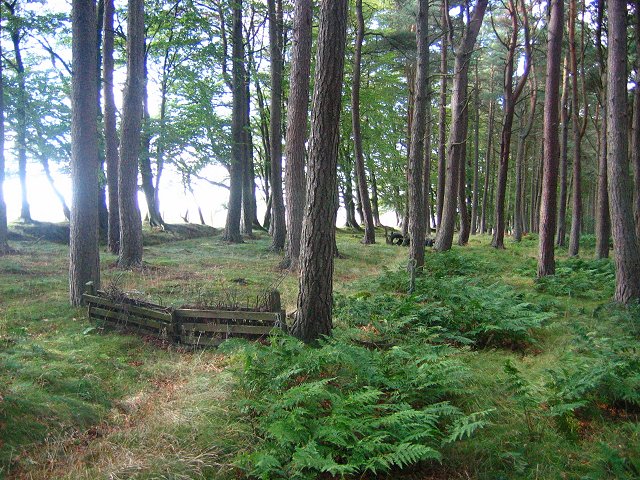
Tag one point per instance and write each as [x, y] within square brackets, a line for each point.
[476, 153]
[363, 191]
[374, 199]
[625, 241]
[297, 113]
[635, 146]
[463, 207]
[278, 224]
[417, 214]
[457, 135]
[130, 254]
[546, 261]
[110, 131]
[487, 162]
[249, 217]
[232, 227]
[84, 256]
[315, 300]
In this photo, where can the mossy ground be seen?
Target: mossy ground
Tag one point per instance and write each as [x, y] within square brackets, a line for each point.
[80, 403]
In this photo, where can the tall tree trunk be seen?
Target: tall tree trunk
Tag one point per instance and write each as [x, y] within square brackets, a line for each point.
[275, 126]
[417, 214]
[442, 118]
[603, 222]
[426, 182]
[84, 256]
[347, 194]
[110, 132]
[625, 241]
[487, 163]
[463, 207]
[315, 300]
[519, 225]
[248, 173]
[511, 96]
[457, 135]
[130, 254]
[578, 131]
[232, 227]
[374, 199]
[546, 261]
[363, 191]
[565, 115]
[635, 145]
[4, 234]
[21, 115]
[476, 153]
[103, 212]
[146, 174]
[297, 113]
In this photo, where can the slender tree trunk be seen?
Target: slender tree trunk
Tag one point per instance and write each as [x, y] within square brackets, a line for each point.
[511, 96]
[374, 199]
[4, 233]
[625, 242]
[576, 200]
[130, 254]
[565, 115]
[457, 135]
[603, 222]
[546, 261]
[442, 118]
[248, 173]
[21, 117]
[84, 256]
[232, 227]
[518, 227]
[363, 192]
[426, 182]
[463, 207]
[476, 153]
[315, 300]
[275, 126]
[487, 167]
[110, 131]
[417, 214]
[297, 113]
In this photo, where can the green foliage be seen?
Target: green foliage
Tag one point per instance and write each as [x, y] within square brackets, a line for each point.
[452, 309]
[343, 409]
[577, 277]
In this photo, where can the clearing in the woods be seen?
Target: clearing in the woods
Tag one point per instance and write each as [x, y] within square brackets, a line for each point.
[545, 372]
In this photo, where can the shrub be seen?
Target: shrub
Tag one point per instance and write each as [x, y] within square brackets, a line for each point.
[576, 277]
[343, 409]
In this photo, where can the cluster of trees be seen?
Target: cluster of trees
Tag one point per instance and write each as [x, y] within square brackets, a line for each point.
[502, 117]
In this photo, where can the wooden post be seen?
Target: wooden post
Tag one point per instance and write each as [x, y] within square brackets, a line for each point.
[89, 288]
[273, 301]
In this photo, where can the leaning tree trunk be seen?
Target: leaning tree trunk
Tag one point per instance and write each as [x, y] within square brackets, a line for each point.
[232, 227]
[130, 254]
[84, 256]
[278, 224]
[457, 135]
[315, 300]
[417, 214]
[110, 132]
[546, 261]
[297, 112]
[363, 191]
[625, 242]
[564, 139]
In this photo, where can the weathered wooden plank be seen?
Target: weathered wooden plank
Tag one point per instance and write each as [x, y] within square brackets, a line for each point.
[128, 319]
[225, 328]
[227, 314]
[147, 312]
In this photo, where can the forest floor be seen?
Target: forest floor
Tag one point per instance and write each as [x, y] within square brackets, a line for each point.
[551, 368]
